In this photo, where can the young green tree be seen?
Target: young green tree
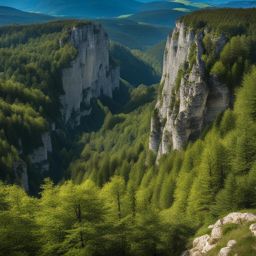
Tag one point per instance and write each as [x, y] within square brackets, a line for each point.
[226, 199]
[114, 192]
[17, 222]
[71, 218]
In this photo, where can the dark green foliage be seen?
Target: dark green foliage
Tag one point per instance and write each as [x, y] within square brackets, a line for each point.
[124, 141]
[30, 86]
[136, 207]
[133, 68]
[135, 35]
[228, 21]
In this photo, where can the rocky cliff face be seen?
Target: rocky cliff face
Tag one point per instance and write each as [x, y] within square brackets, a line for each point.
[188, 100]
[90, 75]
[40, 155]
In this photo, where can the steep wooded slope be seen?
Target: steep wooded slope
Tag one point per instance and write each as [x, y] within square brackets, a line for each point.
[46, 88]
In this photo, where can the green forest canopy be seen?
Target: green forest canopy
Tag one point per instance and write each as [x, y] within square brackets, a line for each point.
[119, 202]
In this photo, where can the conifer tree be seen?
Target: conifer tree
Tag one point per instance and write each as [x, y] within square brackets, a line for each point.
[226, 200]
[114, 192]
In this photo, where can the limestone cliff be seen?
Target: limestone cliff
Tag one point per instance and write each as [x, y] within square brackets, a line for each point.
[91, 74]
[88, 76]
[188, 100]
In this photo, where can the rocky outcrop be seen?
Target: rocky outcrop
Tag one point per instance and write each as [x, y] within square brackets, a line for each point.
[202, 245]
[227, 250]
[88, 76]
[253, 229]
[187, 101]
[21, 174]
[40, 155]
[91, 74]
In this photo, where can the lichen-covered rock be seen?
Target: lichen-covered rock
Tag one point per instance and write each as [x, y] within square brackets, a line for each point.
[202, 245]
[232, 218]
[187, 101]
[91, 74]
[236, 218]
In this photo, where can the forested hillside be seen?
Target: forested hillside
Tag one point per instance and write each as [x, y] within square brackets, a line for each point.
[30, 78]
[146, 68]
[116, 198]
[211, 177]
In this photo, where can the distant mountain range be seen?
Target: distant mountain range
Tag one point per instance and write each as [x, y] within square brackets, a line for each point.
[239, 4]
[135, 24]
[14, 16]
[126, 31]
[162, 17]
[114, 8]
[93, 8]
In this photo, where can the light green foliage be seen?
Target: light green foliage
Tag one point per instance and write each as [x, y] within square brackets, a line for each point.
[114, 192]
[81, 219]
[235, 59]
[119, 201]
[114, 151]
[245, 244]
[238, 54]
[218, 69]
[70, 217]
[142, 209]
[145, 69]
[17, 222]
[226, 199]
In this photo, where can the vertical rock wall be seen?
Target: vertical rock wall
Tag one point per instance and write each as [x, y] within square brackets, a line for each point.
[187, 101]
[90, 75]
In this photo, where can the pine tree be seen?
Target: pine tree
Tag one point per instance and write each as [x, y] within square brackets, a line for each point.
[226, 200]
[228, 122]
[17, 222]
[157, 188]
[181, 194]
[167, 191]
[114, 192]
[200, 197]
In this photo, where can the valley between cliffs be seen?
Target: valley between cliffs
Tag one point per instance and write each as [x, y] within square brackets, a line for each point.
[129, 169]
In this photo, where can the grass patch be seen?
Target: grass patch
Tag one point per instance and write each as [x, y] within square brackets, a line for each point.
[246, 243]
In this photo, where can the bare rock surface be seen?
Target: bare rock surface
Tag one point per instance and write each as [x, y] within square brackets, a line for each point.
[187, 101]
[91, 74]
[253, 229]
[203, 244]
